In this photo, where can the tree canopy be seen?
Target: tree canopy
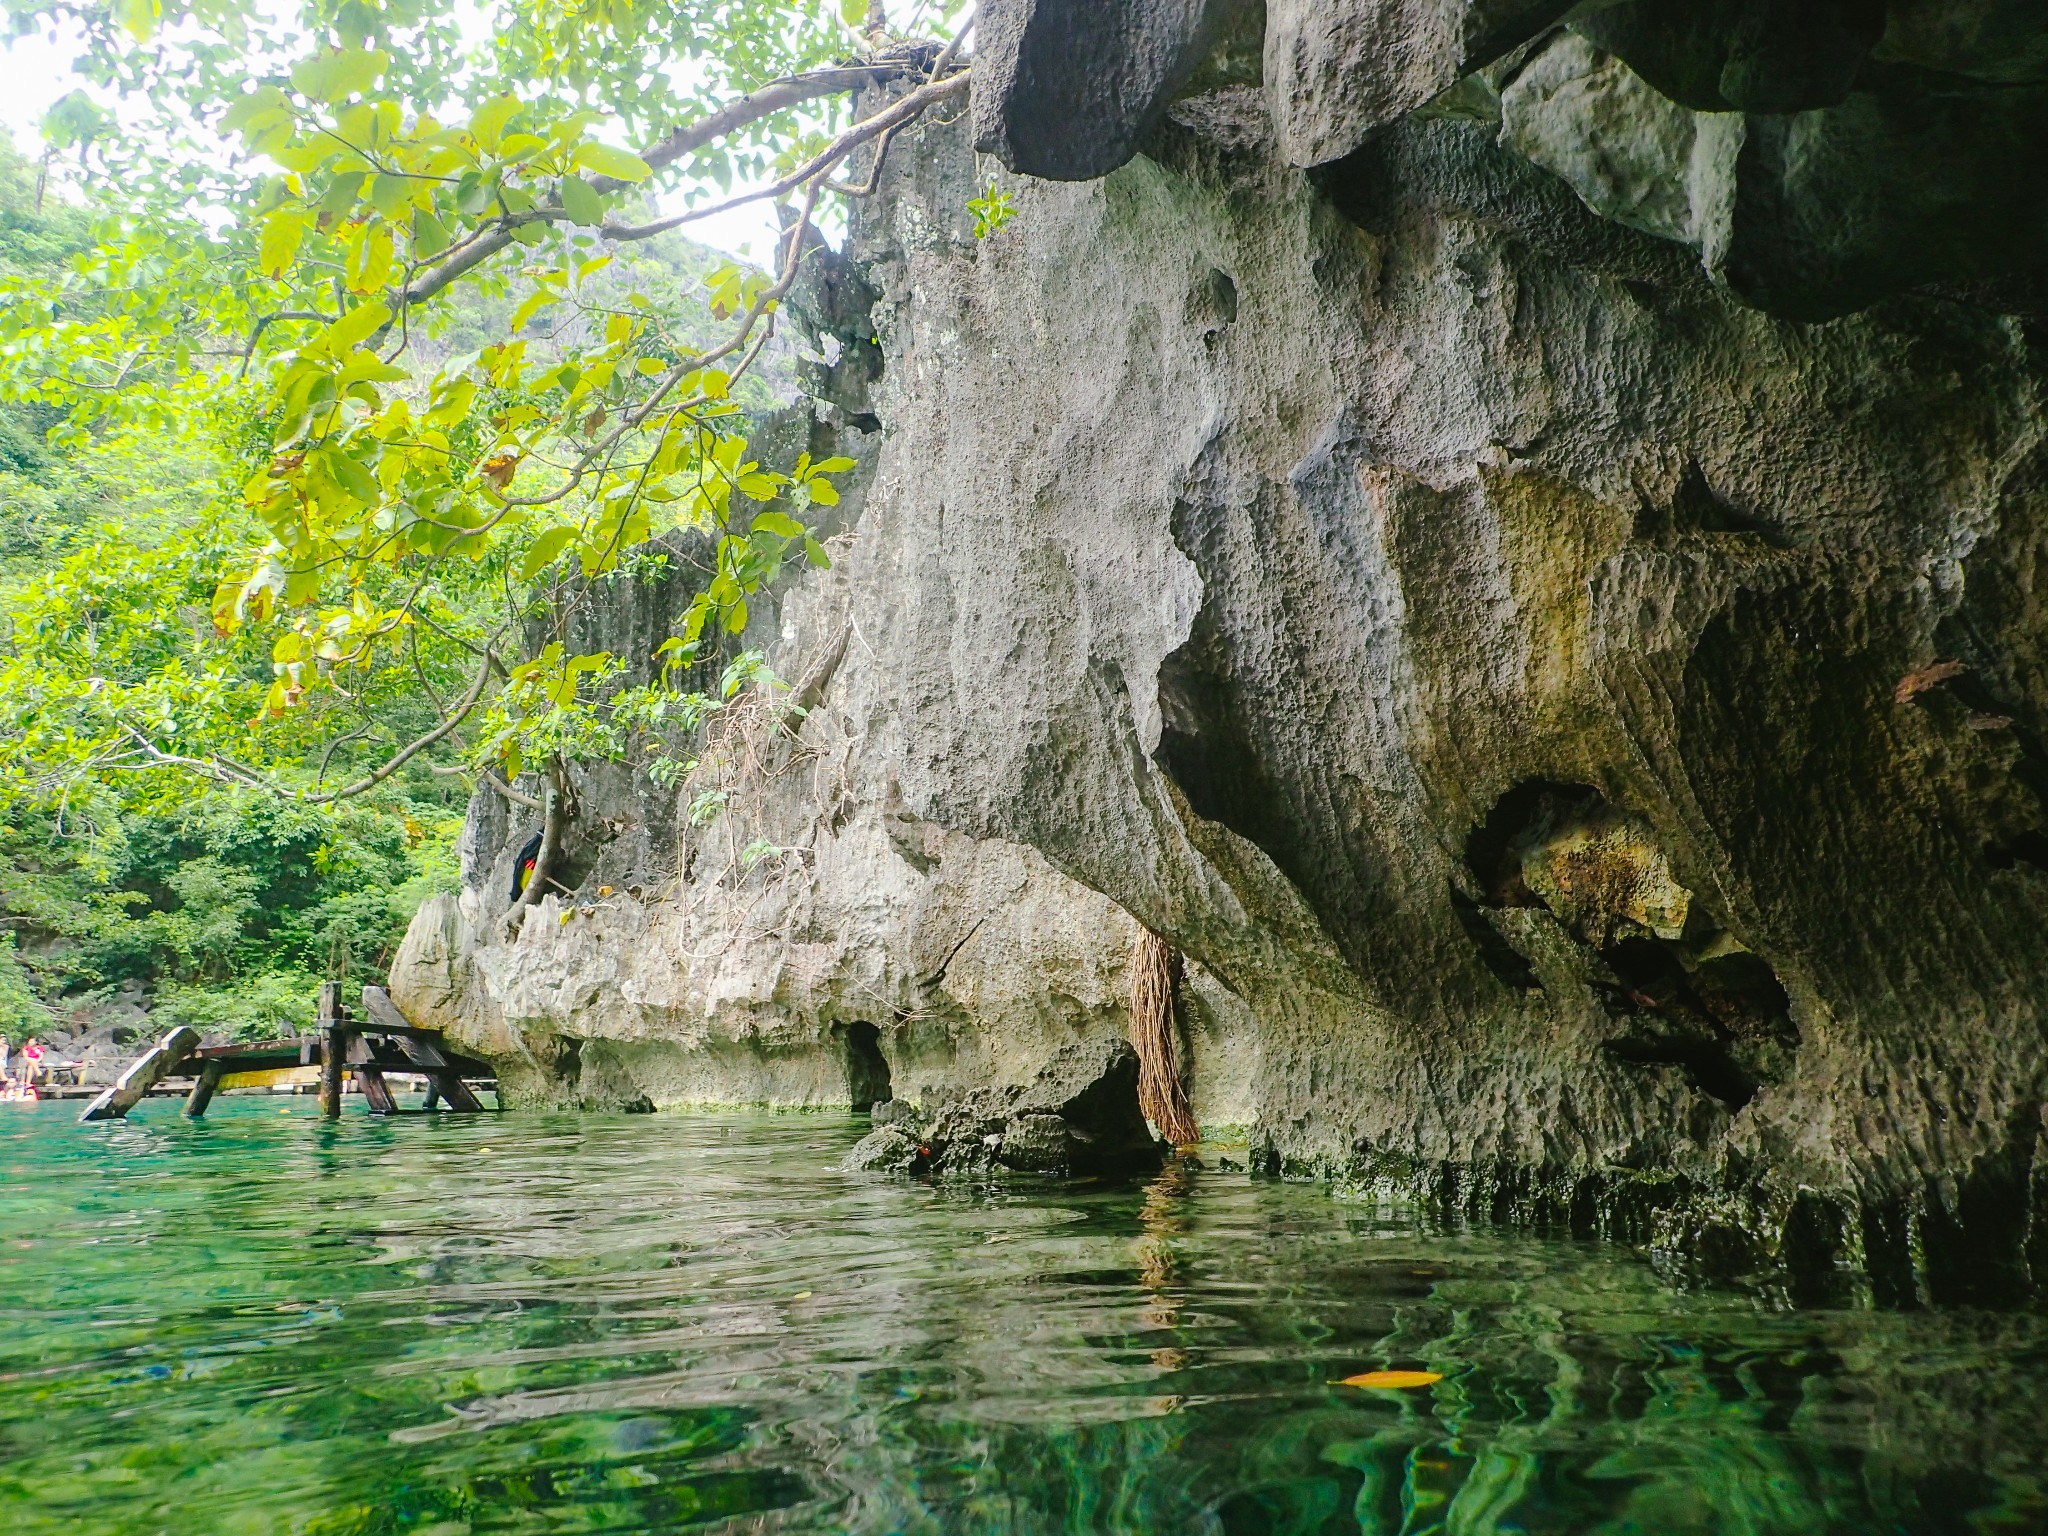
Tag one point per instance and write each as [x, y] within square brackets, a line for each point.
[343, 347]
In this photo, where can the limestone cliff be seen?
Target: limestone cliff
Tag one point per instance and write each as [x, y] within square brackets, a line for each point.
[1508, 533]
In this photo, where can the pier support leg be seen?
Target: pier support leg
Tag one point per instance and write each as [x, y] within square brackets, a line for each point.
[332, 1049]
[370, 1076]
[203, 1090]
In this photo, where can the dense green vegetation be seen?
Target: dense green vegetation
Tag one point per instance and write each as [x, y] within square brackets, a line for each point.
[340, 351]
[225, 905]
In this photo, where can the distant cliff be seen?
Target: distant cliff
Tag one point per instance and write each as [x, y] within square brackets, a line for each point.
[1509, 537]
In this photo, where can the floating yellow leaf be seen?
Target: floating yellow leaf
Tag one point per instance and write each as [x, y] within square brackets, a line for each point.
[1393, 1379]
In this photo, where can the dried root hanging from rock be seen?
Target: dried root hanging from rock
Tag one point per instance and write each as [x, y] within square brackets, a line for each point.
[1155, 976]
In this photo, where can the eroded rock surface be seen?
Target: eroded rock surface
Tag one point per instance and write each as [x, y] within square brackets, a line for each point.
[1461, 596]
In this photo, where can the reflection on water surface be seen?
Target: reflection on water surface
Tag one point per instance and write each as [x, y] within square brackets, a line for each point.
[537, 1324]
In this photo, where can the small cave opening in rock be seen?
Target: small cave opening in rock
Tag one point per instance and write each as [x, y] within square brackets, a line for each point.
[1685, 991]
[1493, 851]
[1656, 991]
[568, 1063]
[867, 1069]
[1212, 305]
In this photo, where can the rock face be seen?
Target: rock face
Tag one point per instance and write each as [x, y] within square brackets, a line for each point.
[1581, 713]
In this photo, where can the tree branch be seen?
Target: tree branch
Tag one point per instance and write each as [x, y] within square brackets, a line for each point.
[770, 99]
[418, 745]
[887, 120]
[552, 816]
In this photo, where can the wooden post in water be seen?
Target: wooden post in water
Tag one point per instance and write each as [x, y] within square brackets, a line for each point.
[332, 1048]
[362, 1060]
[204, 1089]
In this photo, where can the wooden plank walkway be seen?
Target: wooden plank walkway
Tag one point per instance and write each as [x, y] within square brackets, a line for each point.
[343, 1046]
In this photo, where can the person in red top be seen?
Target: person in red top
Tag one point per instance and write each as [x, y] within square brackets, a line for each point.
[31, 1061]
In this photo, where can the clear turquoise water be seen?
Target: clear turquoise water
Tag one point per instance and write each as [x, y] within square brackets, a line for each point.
[551, 1324]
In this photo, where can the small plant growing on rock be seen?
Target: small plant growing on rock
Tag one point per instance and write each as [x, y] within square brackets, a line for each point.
[992, 210]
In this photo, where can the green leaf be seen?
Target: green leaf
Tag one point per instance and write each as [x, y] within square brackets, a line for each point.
[342, 192]
[371, 257]
[278, 245]
[429, 234]
[815, 553]
[532, 305]
[473, 193]
[781, 523]
[261, 102]
[545, 550]
[138, 18]
[340, 73]
[366, 366]
[581, 201]
[390, 194]
[451, 403]
[488, 125]
[351, 476]
[357, 325]
[607, 161]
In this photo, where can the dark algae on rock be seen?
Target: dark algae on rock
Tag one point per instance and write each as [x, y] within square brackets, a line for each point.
[1438, 513]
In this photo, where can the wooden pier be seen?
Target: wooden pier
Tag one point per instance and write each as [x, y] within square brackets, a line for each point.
[341, 1047]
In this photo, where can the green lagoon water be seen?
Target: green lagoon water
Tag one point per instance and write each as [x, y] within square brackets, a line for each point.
[523, 1324]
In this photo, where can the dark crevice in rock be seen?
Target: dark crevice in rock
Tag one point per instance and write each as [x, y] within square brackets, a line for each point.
[867, 1069]
[1742, 55]
[1212, 305]
[1705, 1063]
[1509, 965]
[2024, 848]
[1977, 1249]
[1079, 1114]
[1206, 746]
[1718, 1021]
[1448, 166]
[1696, 508]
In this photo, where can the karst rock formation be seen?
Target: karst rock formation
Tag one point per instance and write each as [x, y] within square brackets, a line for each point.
[1513, 535]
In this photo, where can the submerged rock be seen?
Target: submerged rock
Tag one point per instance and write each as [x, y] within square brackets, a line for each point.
[1078, 1114]
[886, 1149]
